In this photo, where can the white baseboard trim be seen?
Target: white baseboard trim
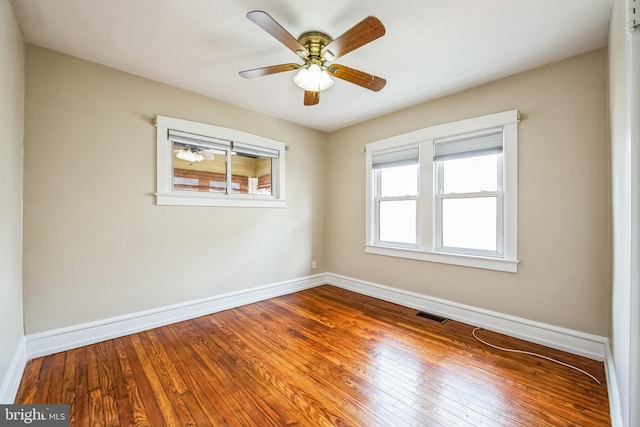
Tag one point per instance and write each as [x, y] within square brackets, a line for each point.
[13, 376]
[615, 408]
[574, 342]
[54, 341]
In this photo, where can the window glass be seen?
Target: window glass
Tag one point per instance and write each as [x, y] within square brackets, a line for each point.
[399, 181]
[197, 168]
[471, 174]
[396, 197]
[251, 174]
[469, 223]
[398, 221]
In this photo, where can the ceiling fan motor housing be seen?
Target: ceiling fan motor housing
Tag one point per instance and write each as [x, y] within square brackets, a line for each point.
[315, 41]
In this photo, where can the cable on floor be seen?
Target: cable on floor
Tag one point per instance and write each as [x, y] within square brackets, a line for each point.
[533, 354]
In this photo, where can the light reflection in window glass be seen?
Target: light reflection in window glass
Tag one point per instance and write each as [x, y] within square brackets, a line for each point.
[251, 174]
[197, 168]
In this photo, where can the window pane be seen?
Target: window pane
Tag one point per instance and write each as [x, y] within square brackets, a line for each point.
[398, 221]
[198, 168]
[399, 181]
[250, 174]
[469, 223]
[471, 174]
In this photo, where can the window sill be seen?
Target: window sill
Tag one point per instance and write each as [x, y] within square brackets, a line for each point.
[209, 199]
[510, 266]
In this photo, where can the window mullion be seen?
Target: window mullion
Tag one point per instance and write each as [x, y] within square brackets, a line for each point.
[426, 196]
[437, 203]
[229, 176]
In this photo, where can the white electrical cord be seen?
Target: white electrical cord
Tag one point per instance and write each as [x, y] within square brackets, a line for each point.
[533, 354]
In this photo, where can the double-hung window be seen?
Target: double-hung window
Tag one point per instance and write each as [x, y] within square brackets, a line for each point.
[396, 196]
[447, 193]
[207, 165]
[468, 194]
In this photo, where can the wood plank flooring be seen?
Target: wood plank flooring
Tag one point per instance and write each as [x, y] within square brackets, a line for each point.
[320, 357]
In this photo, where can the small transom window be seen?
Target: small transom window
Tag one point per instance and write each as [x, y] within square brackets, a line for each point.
[207, 165]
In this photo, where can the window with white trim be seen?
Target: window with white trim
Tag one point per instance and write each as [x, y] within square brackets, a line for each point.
[207, 165]
[447, 193]
[396, 196]
[468, 194]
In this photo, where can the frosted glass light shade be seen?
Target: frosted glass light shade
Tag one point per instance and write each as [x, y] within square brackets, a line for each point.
[313, 78]
[189, 156]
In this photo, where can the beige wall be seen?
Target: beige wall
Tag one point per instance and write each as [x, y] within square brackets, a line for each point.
[11, 125]
[97, 246]
[95, 243]
[563, 245]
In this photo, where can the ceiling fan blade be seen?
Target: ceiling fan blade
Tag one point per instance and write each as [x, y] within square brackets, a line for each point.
[266, 22]
[208, 155]
[265, 71]
[311, 97]
[360, 78]
[367, 30]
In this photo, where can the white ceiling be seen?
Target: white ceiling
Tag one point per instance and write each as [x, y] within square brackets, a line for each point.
[431, 47]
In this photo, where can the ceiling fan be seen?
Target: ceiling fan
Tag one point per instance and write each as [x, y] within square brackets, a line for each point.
[317, 49]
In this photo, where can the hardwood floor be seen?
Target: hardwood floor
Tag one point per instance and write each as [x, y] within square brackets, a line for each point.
[325, 357]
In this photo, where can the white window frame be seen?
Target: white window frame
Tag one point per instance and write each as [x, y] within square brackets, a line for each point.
[440, 196]
[379, 198]
[166, 195]
[427, 209]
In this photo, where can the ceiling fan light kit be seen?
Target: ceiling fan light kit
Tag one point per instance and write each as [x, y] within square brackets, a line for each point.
[313, 78]
[188, 155]
[316, 49]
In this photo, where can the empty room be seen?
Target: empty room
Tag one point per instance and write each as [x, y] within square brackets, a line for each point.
[250, 213]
